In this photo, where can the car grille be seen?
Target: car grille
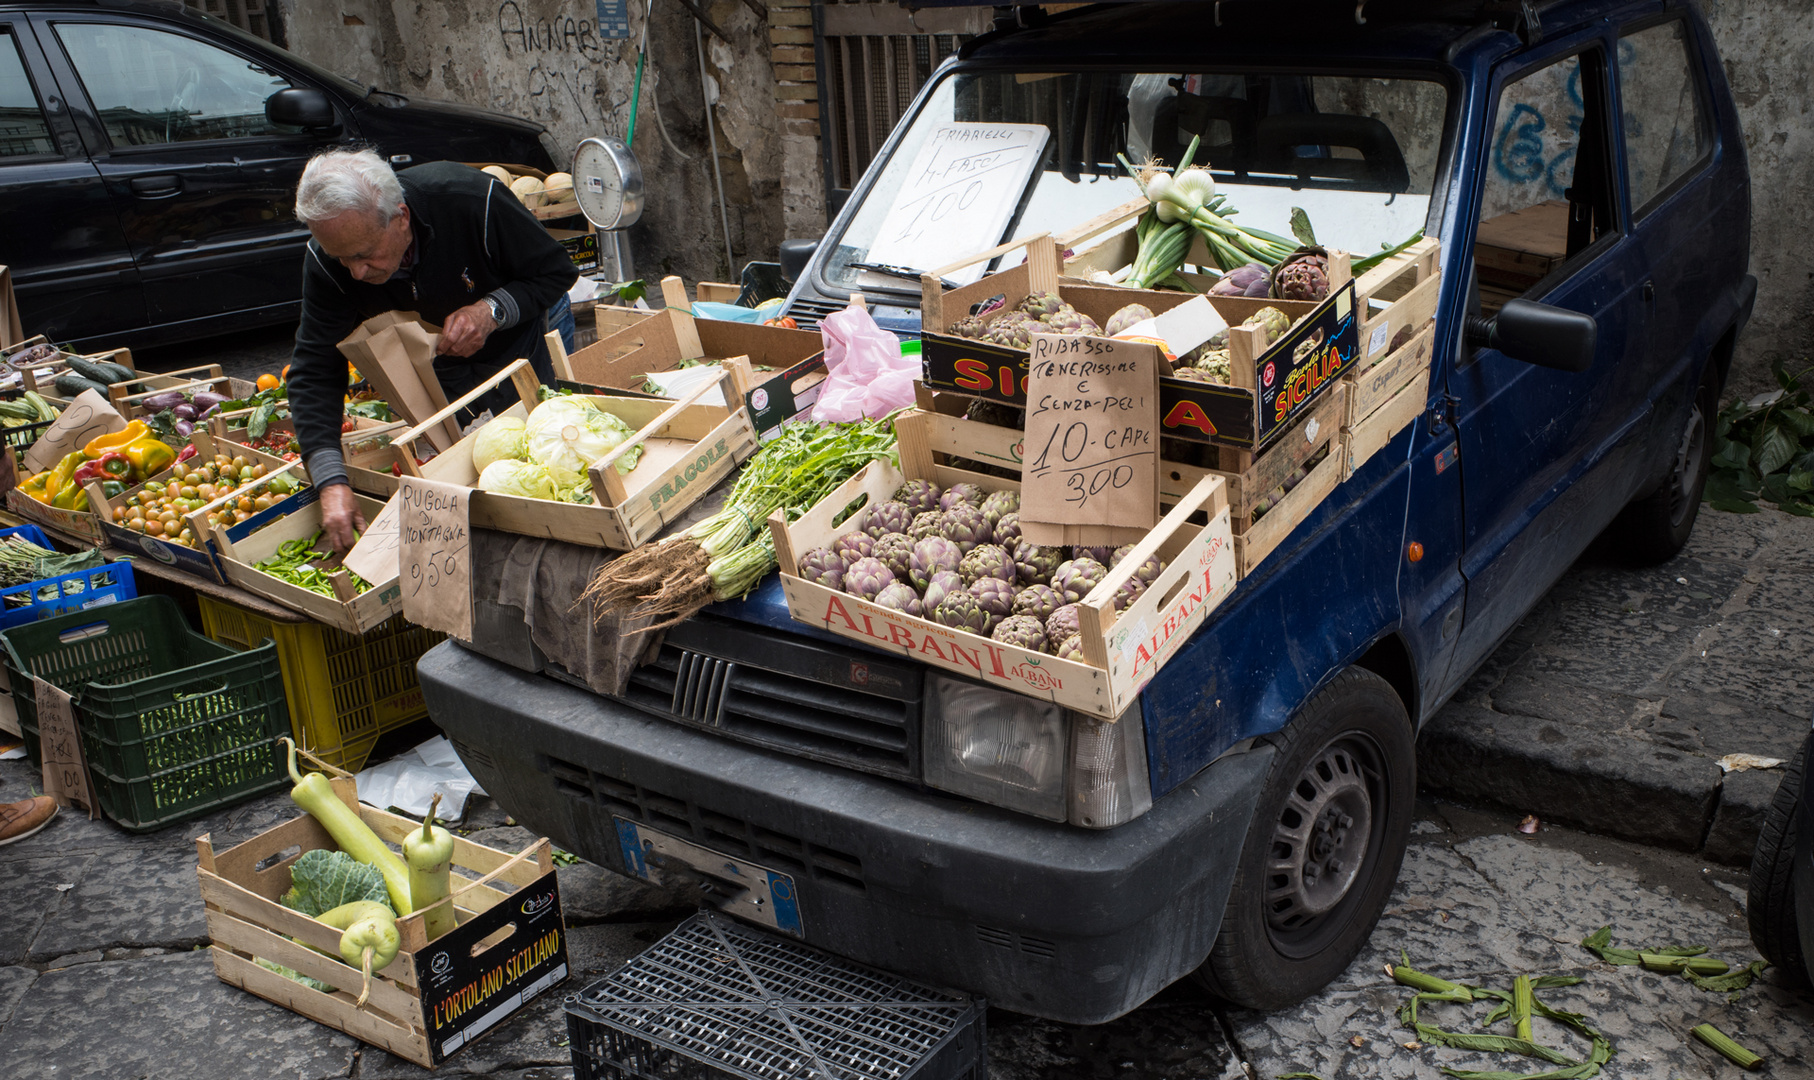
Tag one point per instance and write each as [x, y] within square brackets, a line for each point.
[807, 311]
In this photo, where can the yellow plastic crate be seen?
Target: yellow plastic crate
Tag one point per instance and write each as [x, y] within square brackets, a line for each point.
[344, 690]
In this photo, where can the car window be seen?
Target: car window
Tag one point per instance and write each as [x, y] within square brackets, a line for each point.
[1666, 128]
[153, 87]
[23, 131]
[1546, 197]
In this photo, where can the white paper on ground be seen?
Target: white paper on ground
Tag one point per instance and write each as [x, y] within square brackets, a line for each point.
[410, 780]
[583, 290]
[14, 754]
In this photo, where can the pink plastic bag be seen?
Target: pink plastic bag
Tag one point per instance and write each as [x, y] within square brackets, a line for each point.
[868, 376]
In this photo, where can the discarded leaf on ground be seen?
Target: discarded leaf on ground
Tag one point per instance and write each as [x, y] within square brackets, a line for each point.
[1741, 762]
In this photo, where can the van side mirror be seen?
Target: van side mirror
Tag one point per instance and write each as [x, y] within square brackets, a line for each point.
[303, 107]
[1538, 334]
[794, 255]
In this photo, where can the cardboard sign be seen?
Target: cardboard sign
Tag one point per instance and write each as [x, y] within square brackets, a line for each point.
[88, 417]
[467, 990]
[1091, 460]
[60, 749]
[374, 557]
[965, 183]
[435, 555]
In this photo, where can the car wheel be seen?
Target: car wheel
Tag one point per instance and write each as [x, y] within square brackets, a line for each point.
[1655, 527]
[1770, 901]
[1324, 847]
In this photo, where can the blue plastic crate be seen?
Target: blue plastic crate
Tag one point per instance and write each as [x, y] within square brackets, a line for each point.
[107, 584]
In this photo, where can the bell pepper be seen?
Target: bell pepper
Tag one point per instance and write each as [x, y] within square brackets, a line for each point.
[148, 456]
[113, 489]
[188, 452]
[110, 465]
[71, 496]
[118, 440]
[45, 486]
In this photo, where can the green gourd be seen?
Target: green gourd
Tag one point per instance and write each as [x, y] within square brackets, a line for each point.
[370, 944]
[430, 857]
[314, 794]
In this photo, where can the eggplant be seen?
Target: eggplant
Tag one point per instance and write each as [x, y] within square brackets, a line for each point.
[184, 428]
[210, 411]
[207, 400]
[169, 399]
[185, 411]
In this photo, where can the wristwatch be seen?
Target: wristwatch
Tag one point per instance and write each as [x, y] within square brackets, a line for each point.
[497, 310]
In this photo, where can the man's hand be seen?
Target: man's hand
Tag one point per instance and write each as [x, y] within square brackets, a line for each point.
[465, 331]
[340, 516]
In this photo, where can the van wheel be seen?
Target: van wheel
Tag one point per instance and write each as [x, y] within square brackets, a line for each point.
[1770, 900]
[1324, 847]
[1655, 527]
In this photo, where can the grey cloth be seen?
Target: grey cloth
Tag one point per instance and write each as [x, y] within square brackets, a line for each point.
[326, 466]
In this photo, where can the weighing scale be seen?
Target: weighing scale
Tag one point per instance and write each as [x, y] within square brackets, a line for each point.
[607, 183]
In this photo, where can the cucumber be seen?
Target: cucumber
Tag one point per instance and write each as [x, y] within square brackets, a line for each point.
[119, 372]
[90, 370]
[71, 385]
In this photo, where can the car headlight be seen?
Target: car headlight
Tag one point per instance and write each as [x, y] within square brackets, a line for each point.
[1033, 757]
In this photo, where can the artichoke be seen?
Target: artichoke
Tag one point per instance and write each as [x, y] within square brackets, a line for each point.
[1250, 280]
[854, 546]
[986, 561]
[899, 596]
[1101, 553]
[1038, 601]
[970, 326]
[1191, 374]
[929, 556]
[926, 523]
[866, 577]
[1304, 275]
[1126, 317]
[995, 597]
[1007, 531]
[1035, 565]
[1271, 321]
[964, 493]
[964, 526]
[895, 551]
[998, 504]
[1149, 569]
[984, 411]
[823, 566]
[1063, 623]
[942, 584]
[919, 496]
[1072, 580]
[1013, 330]
[960, 611]
[888, 517]
[1040, 305]
[1068, 320]
[1023, 631]
[1071, 648]
[1214, 363]
[1128, 592]
[1119, 554]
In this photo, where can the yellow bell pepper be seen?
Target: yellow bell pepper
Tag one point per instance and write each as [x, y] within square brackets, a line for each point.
[47, 485]
[72, 496]
[148, 455]
[118, 440]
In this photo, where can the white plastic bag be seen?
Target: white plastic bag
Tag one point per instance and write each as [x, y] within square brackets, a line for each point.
[867, 375]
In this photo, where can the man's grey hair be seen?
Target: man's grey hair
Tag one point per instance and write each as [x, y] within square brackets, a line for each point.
[338, 181]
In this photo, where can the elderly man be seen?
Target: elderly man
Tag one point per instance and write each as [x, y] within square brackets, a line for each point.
[443, 240]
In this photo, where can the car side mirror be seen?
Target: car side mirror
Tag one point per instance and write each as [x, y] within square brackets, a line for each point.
[303, 107]
[1538, 334]
[794, 256]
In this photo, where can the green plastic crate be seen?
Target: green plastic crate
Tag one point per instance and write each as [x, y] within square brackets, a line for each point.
[174, 725]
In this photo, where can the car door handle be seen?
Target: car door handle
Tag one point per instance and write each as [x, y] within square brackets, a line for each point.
[1650, 291]
[157, 187]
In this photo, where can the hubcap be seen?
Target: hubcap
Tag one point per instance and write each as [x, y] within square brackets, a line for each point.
[1320, 840]
[1687, 465]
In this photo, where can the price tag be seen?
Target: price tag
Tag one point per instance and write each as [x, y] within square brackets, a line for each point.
[435, 555]
[88, 417]
[1090, 474]
[60, 749]
[374, 557]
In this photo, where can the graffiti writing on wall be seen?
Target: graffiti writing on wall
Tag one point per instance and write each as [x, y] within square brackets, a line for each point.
[564, 60]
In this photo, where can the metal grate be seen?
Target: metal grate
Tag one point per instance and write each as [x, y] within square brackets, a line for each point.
[249, 15]
[718, 999]
[808, 311]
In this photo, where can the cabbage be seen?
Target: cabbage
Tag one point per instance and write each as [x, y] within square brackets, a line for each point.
[567, 434]
[511, 477]
[500, 439]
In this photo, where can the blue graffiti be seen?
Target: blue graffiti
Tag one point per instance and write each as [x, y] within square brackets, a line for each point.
[1518, 152]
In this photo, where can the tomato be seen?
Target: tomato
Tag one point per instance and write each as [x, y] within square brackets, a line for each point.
[263, 502]
[154, 528]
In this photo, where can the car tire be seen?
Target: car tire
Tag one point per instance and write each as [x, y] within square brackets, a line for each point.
[1770, 901]
[1655, 527]
[1313, 877]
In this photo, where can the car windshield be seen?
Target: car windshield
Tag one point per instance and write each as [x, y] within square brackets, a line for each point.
[995, 155]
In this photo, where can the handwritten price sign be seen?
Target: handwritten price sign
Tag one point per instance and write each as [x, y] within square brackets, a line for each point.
[374, 557]
[1091, 473]
[65, 766]
[435, 555]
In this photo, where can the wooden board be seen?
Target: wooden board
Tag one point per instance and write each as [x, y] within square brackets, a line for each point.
[1372, 433]
[1518, 249]
[1374, 386]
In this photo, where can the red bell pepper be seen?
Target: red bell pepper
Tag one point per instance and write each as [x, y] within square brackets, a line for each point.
[116, 466]
[188, 452]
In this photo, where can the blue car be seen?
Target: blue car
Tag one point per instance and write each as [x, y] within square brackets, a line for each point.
[1780, 903]
[1245, 819]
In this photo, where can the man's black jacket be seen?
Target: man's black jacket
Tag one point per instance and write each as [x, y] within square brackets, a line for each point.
[472, 237]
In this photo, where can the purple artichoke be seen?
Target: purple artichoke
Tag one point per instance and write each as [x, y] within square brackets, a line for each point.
[1128, 592]
[1070, 648]
[1041, 304]
[853, 546]
[919, 495]
[1075, 579]
[962, 493]
[1007, 531]
[1119, 554]
[1250, 280]
[899, 596]
[885, 518]
[995, 597]
[940, 585]
[1101, 554]
[1035, 565]
[926, 523]
[960, 611]
[964, 526]
[1304, 275]
[1023, 631]
[1063, 623]
[929, 556]
[823, 566]
[1038, 601]
[1000, 504]
[986, 561]
[896, 552]
[866, 577]
[1148, 570]
[1126, 317]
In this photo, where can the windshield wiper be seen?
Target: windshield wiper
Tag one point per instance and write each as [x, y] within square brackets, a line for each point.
[907, 272]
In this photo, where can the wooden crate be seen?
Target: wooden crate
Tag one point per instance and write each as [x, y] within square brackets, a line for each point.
[1122, 653]
[240, 547]
[368, 462]
[80, 525]
[129, 397]
[424, 1003]
[1385, 397]
[688, 448]
[59, 365]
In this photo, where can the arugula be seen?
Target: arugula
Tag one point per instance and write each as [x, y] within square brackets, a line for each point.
[1763, 449]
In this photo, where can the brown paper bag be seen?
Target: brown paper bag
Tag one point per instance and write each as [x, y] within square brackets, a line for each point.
[11, 330]
[396, 351]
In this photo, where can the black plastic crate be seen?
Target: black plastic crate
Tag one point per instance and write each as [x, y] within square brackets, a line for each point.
[718, 999]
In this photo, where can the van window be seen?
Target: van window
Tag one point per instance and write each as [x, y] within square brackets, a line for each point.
[152, 87]
[23, 132]
[1666, 128]
[1546, 196]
